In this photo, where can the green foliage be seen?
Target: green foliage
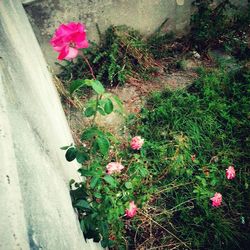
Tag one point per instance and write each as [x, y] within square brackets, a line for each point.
[101, 200]
[121, 53]
[191, 137]
[220, 25]
[209, 120]
[158, 44]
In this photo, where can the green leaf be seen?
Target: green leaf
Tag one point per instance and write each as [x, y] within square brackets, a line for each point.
[76, 84]
[83, 228]
[97, 87]
[128, 185]
[96, 237]
[85, 172]
[118, 101]
[89, 82]
[81, 157]
[82, 204]
[89, 112]
[90, 133]
[95, 147]
[214, 182]
[104, 229]
[108, 107]
[94, 181]
[101, 111]
[71, 182]
[105, 243]
[71, 154]
[110, 180]
[98, 195]
[103, 145]
[65, 147]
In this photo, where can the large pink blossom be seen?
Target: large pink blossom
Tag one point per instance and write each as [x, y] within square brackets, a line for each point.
[114, 167]
[131, 211]
[68, 38]
[216, 200]
[136, 142]
[230, 172]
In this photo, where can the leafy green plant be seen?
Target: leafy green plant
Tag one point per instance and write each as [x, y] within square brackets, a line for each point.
[220, 25]
[102, 197]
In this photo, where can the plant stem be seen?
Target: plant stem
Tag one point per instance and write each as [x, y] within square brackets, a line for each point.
[97, 96]
[147, 216]
[96, 106]
[90, 68]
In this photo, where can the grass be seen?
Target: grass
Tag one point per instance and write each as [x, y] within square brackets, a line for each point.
[211, 120]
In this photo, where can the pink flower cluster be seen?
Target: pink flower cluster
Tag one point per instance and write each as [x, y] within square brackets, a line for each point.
[136, 142]
[131, 211]
[68, 39]
[114, 167]
[217, 198]
[230, 173]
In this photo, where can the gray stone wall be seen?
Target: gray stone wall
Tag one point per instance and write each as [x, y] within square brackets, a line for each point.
[143, 15]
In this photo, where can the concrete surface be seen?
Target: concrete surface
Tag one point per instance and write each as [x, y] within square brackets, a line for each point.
[35, 207]
[143, 15]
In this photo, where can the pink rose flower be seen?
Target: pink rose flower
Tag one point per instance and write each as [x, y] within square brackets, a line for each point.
[114, 167]
[217, 199]
[136, 142]
[68, 38]
[131, 211]
[230, 172]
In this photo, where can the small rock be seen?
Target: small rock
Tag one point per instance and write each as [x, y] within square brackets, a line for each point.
[196, 54]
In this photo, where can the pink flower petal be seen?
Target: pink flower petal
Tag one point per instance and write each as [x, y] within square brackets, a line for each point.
[72, 53]
[80, 41]
[131, 211]
[230, 172]
[114, 167]
[136, 142]
[63, 53]
[216, 200]
[63, 30]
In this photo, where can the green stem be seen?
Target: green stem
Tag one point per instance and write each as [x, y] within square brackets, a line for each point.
[96, 106]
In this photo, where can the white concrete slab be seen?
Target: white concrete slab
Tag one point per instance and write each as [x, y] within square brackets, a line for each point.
[35, 207]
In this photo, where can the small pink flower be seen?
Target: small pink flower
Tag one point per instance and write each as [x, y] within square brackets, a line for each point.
[230, 172]
[217, 199]
[68, 38]
[131, 211]
[193, 157]
[136, 142]
[114, 167]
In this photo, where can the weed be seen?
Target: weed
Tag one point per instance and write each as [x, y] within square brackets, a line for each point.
[220, 25]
